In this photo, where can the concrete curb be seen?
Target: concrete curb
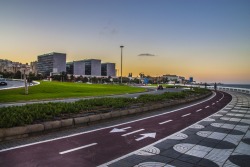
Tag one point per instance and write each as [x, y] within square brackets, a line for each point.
[24, 131]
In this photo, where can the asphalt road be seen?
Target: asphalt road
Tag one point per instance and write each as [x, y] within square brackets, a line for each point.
[101, 145]
[12, 84]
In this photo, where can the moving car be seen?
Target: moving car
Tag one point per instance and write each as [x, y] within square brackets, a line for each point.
[159, 87]
[3, 83]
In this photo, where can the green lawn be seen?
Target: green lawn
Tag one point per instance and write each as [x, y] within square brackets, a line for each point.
[60, 90]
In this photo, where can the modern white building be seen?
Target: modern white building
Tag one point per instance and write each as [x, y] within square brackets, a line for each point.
[51, 63]
[79, 68]
[171, 77]
[88, 67]
[93, 67]
[108, 69]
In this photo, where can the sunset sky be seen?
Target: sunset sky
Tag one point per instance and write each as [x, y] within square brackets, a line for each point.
[206, 39]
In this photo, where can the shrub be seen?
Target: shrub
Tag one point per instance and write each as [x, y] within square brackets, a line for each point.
[28, 114]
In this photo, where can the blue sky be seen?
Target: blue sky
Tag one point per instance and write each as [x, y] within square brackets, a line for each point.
[206, 39]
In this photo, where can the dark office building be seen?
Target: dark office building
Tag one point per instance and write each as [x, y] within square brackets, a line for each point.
[70, 68]
[51, 62]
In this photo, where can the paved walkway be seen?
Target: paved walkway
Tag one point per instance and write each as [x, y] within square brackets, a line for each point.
[222, 139]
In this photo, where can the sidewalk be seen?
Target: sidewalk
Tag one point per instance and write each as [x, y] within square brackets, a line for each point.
[222, 139]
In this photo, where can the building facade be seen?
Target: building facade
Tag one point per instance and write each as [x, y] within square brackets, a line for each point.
[79, 68]
[51, 63]
[33, 67]
[93, 67]
[170, 77]
[70, 68]
[108, 69]
[13, 67]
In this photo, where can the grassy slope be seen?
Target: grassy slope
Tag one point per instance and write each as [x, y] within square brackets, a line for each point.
[55, 90]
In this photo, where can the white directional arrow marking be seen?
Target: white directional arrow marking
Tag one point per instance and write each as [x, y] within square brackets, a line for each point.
[146, 135]
[119, 130]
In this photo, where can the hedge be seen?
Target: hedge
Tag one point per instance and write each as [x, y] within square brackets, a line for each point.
[32, 113]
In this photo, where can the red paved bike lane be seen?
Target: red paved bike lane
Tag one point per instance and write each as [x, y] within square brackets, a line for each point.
[100, 146]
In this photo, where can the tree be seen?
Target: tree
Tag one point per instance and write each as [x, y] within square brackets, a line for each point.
[94, 80]
[85, 79]
[136, 80]
[18, 75]
[72, 78]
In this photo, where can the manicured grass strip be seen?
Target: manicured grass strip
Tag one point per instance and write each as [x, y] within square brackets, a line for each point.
[59, 90]
[32, 113]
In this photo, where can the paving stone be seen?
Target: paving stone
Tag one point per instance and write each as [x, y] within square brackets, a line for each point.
[240, 160]
[219, 156]
[189, 159]
[207, 163]
[171, 153]
[208, 143]
[159, 158]
[122, 163]
[178, 163]
[164, 146]
[135, 159]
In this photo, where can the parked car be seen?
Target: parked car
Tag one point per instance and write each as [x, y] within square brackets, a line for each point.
[3, 83]
[159, 87]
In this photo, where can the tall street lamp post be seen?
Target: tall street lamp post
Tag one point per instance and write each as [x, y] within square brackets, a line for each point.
[121, 62]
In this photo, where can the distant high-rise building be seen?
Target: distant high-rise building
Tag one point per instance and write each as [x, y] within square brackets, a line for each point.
[108, 69]
[51, 62]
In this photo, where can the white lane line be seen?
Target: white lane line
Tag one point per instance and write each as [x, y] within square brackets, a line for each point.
[133, 132]
[126, 128]
[217, 101]
[206, 106]
[78, 148]
[198, 110]
[186, 115]
[165, 122]
[213, 104]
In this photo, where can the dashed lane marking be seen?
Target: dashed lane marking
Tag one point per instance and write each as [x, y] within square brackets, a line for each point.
[133, 132]
[165, 122]
[207, 107]
[199, 110]
[186, 115]
[78, 148]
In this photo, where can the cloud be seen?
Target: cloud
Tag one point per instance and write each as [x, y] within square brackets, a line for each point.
[146, 54]
[109, 30]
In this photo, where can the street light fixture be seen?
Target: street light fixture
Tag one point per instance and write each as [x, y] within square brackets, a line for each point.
[121, 62]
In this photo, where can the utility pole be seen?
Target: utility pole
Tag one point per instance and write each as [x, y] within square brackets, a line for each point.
[121, 62]
[25, 83]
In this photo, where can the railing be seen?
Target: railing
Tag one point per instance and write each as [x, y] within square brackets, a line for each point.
[242, 90]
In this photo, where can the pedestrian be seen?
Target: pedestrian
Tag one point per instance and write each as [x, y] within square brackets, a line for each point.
[215, 86]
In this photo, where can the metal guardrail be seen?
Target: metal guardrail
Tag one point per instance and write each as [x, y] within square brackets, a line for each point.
[242, 90]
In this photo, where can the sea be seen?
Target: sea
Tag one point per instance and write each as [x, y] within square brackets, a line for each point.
[247, 86]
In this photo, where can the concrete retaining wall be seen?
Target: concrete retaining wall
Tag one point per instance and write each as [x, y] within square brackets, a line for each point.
[24, 131]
